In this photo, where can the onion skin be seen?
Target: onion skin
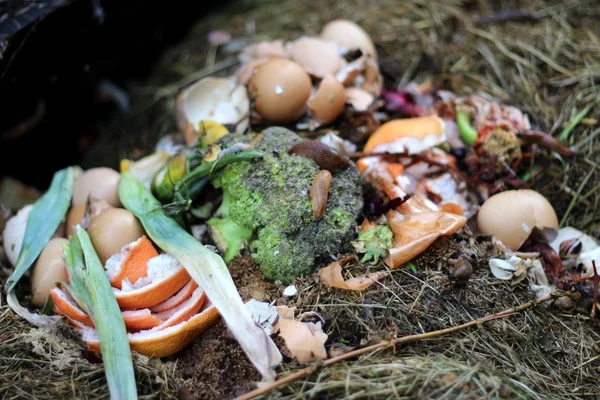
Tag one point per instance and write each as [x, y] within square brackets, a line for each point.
[322, 154]
[319, 193]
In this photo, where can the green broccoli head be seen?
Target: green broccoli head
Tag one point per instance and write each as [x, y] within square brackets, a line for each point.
[270, 197]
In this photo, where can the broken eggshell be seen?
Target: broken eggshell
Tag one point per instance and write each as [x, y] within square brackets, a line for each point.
[349, 36]
[316, 56]
[304, 340]
[359, 99]
[512, 215]
[328, 102]
[212, 99]
[14, 232]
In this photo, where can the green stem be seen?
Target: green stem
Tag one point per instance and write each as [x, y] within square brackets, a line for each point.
[205, 169]
[467, 133]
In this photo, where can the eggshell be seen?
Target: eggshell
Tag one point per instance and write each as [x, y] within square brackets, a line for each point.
[510, 216]
[14, 232]
[328, 102]
[316, 56]
[97, 184]
[75, 217]
[280, 89]
[212, 99]
[113, 229]
[49, 268]
[359, 99]
[349, 35]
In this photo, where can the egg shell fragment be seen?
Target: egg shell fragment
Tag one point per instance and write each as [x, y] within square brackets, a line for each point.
[349, 35]
[511, 216]
[280, 89]
[14, 232]
[49, 269]
[328, 101]
[97, 184]
[113, 229]
[316, 56]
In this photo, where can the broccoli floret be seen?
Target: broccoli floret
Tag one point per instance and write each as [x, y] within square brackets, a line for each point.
[374, 244]
[228, 235]
[270, 198]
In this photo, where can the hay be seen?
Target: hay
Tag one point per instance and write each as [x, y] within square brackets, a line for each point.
[549, 69]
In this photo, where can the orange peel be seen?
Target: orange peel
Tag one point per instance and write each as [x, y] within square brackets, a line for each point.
[164, 310]
[175, 300]
[158, 343]
[412, 134]
[133, 262]
[66, 305]
[165, 278]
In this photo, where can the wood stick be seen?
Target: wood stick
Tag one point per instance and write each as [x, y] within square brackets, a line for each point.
[392, 342]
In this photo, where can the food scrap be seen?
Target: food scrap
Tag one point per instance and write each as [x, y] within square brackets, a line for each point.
[304, 164]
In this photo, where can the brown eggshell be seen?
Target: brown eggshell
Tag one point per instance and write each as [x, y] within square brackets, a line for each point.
[77, 215]
[280, 89]
[512, 215]
[328, 102]
[97, 184]
[74, 218]
[113, 229]
[316, 56]
[248, 69]
[49, 268]
[349, 35]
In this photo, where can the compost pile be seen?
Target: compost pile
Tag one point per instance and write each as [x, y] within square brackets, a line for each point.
[426, 167]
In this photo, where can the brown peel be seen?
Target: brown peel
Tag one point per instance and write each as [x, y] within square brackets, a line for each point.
[414, 233]
[319, 193]
[331, 275]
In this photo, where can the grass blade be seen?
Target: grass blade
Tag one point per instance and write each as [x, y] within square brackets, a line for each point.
[45, 217]
[207, 268]
[105, 312]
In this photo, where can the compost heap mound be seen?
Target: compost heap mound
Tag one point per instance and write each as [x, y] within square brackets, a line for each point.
[545, 62]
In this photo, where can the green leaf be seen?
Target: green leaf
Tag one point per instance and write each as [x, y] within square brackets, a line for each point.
[206, 268]
[45, 217]
[116, 352]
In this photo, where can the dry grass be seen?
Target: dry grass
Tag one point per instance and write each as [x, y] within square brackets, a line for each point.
[550, 69]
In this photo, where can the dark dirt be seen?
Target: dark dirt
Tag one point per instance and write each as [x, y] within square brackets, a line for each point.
[250, 282]
[215, 367]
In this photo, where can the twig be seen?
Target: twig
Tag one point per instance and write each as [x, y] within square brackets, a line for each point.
[388, 343]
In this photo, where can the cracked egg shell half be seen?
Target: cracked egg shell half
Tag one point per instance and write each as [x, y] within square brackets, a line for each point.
[512, 215]
[279, 89]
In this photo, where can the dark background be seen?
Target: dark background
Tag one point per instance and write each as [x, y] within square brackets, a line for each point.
[52, 66]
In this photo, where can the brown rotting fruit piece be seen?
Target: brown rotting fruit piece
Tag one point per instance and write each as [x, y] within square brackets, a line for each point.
[322, 154]
[319, 193]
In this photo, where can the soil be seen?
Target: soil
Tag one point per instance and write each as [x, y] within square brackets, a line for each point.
[215, 367]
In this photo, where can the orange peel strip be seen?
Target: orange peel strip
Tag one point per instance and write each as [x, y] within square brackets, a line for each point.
[177, 299]
[159, 343]
[135, 261]
[145, 319]
[414, 233]
[65, 304]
